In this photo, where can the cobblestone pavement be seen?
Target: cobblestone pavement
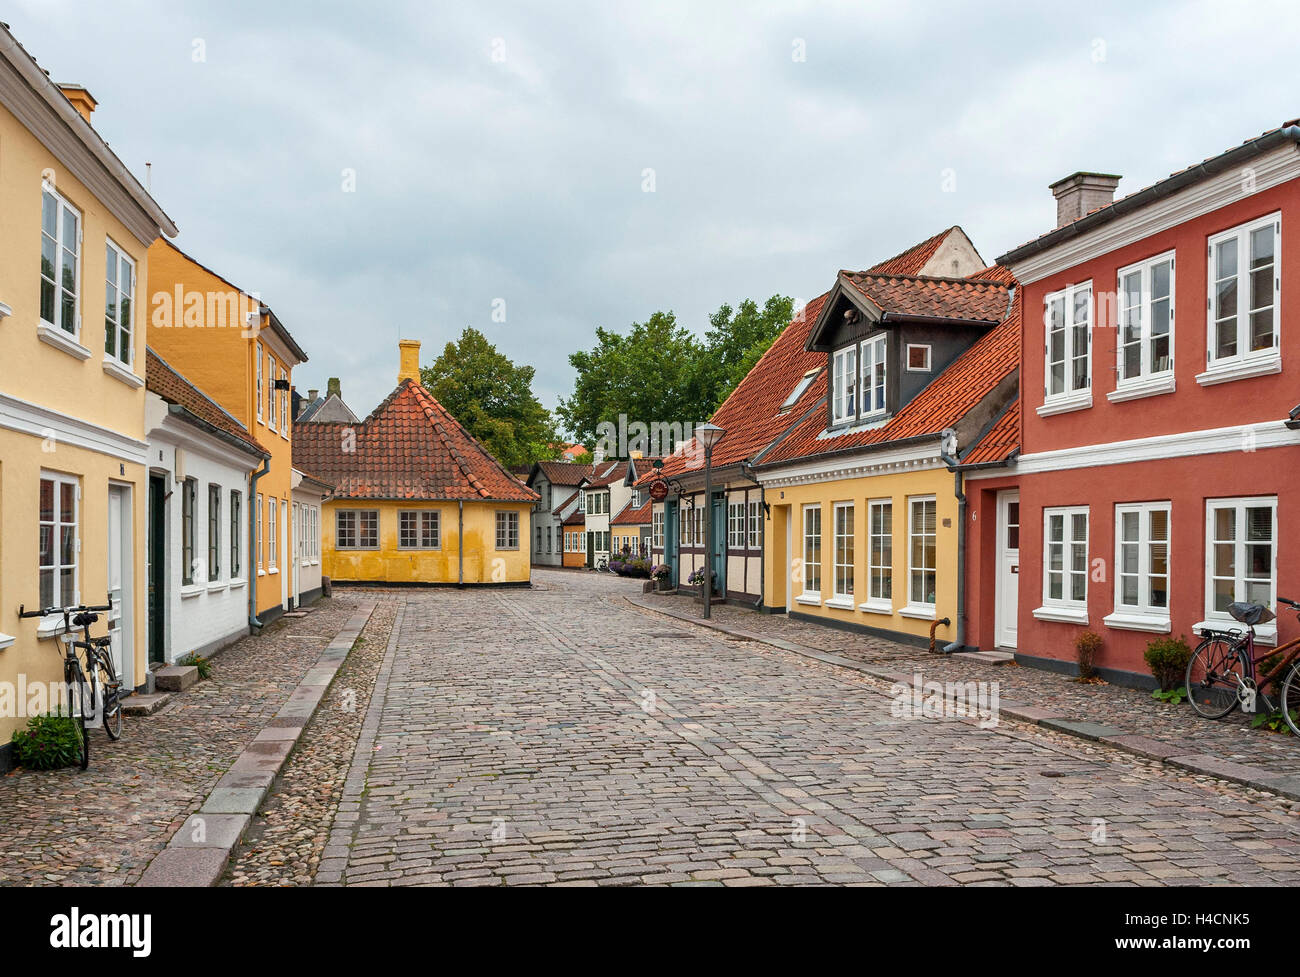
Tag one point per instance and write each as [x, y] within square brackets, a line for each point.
[104, 825]
[1135, 711]
[560, 735]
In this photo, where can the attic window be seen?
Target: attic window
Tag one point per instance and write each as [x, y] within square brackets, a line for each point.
[918, 358]
[799, 388]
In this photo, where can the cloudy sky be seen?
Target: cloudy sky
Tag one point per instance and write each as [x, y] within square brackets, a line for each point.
[504, 151]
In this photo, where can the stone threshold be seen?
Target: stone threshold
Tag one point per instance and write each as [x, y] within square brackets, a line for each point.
[198, 852]
[1246, 775]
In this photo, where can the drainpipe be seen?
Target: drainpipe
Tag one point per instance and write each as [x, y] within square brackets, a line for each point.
[252, 540]
[949, 447]
[460, 544]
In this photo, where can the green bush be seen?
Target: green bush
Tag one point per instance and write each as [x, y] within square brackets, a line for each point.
[1167, 658]
[48, 742]
[204, 665]
[1086, 647]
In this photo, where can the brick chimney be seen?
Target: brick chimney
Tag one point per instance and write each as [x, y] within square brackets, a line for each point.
[332, 387]
[81, 99]
[1081, 193]
[409, 350]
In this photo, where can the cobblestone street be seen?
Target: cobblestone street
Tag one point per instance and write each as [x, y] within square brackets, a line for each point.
[561, 735]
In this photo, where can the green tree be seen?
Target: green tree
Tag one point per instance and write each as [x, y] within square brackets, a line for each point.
[493, 398]
[736, 339]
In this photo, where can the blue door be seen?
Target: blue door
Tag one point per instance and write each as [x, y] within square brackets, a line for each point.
[719, 561]
[672, 539]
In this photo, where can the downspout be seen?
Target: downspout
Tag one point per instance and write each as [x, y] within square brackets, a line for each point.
[460, 544]
[253, 510]
[958, 490]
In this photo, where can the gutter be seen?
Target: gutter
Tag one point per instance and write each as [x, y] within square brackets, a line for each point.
[240, 445]
[1224, 161]
[253, 511]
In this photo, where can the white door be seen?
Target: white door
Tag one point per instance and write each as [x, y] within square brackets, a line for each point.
[1008, 580]
[295, 549]
[121, 567]
[285, 544]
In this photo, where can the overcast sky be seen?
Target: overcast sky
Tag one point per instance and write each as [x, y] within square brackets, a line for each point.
[501, 150]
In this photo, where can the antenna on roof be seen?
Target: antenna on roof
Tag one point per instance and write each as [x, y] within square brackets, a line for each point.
[148, 177]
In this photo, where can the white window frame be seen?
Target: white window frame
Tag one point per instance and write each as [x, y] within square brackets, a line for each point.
[735, 525]
[843, 555]
[1142, 615]
[657, 529]
[1069, 397]
[1147, 380]
[879, 572]
[507, 528]
[755, 525]
[921, 608]
[844, 374]
[56, 526]
[259, 393]
[1245, 362]
[1264, 632]
[1064, 608]
[929, 358]
[258, 521]
[812, 569]
[121, 259]
[272, 534]
[63, 206]
[214, 530]
[273, 423]
[284, 404]
[800, 388]
[236, 569]
[873, 376]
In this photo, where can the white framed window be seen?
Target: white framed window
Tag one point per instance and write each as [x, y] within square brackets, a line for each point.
[507, 530]
[918, 358]
[284, 404]
[272, 400]
[872, 362]
[356, 529]
[1067, 319]
[214, 533]
[119, 304]
[1141, 566]
[844, 374]
[1146, 322]
[755, 525]
[636, 499]
[657, 530]
[419, 529]
[189, 515]
[1065, 564]
[1245, 294]
[258, 357]
[843, 554]
[812, 551]
[258, 542]
[735, 525]
[922, 551]
[1241, 538]
[272, 534]
[60, 548]
[60, 262]
[880, 553]
[236, 536]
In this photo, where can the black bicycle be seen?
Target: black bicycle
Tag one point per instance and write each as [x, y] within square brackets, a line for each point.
[93, 689]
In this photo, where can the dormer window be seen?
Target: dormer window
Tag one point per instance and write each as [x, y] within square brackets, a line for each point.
[844, 395]
[873, 376]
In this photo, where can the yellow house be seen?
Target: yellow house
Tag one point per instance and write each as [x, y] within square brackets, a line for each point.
[233, 347]
[76, 228]
[417, 499]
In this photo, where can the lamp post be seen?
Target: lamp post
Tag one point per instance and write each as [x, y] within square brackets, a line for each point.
[708, 435]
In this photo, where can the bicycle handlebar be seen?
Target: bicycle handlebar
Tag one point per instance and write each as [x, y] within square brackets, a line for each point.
[1289, 603]
[65, 611]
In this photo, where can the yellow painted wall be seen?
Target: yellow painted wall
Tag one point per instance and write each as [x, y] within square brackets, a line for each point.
[484, 563]
[38, 373]
[216, 351]
[787, 505]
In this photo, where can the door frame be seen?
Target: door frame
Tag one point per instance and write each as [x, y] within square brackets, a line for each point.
[126, 553]
[156, 568]
[1002, 578]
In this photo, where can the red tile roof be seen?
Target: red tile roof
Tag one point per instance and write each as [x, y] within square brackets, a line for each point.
[1001, 441]
[639, 516]
[946, 400]
[575, 518]
[161, 379]
[945, 298]
[409, 447]
[564, 472]
[911, 261]
[607, 473]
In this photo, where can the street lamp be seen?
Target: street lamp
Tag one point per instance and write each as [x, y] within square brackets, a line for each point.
[708, 435]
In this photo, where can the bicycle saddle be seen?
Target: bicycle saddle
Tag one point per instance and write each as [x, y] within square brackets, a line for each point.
[81, 620]
[1251, 614]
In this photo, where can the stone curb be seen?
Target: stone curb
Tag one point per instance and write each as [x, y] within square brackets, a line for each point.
[1256, 778]
[198, 852]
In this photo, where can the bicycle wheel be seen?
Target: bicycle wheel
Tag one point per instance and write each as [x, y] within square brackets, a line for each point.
[1214, 675]
[112, 704]
[76, 704]
[1291, 698]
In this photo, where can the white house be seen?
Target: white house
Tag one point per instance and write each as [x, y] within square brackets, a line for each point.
[200, 459]
[308, 495]
[555, 482]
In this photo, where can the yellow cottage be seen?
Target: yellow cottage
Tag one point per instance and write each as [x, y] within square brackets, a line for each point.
[73, 480]
[417, 499]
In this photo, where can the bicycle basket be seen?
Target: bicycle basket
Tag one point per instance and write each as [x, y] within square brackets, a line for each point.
[1251, 614]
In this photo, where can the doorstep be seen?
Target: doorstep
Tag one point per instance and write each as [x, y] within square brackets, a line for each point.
[144, 704]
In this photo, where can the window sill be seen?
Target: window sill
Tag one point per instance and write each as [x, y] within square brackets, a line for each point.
[921, 612]
[237, 583]
[6, 639]
[50, 627]
[59, 339]
[192, 590]
[1134, 621]
[1063, 615]
[273, 570]
[217, 585]
[877, 606]
[1241, 370]
[1067, 403]
[261, 572]
[5, 311]
[1146, 387]
[122, 373]
[812, 600]
[1265, 634]
[841, 603]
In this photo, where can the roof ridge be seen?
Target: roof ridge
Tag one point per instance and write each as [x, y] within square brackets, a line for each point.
[930, 278]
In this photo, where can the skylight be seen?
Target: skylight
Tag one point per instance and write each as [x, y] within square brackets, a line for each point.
[799, 388]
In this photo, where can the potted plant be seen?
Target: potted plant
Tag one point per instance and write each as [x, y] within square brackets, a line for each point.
[662, 575]
[696, 579]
